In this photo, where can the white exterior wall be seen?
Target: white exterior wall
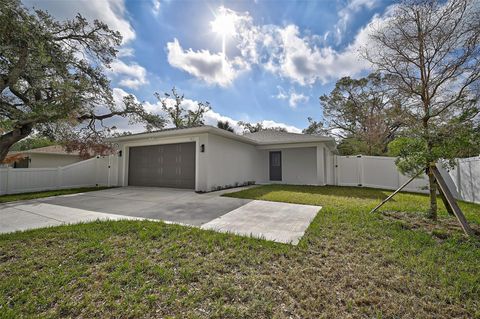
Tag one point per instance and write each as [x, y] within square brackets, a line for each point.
[299, 166]
[230, 162]
[51, 160]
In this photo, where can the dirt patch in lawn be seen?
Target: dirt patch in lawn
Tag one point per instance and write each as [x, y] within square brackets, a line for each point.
[442, 228]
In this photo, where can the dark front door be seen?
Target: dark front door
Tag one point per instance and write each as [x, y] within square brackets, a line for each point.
[168, 165]
[276, 166]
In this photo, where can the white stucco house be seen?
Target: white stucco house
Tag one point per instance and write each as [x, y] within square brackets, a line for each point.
[42, 157]
[207, 158]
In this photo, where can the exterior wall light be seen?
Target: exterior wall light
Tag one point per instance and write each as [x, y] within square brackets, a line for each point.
[202, 148]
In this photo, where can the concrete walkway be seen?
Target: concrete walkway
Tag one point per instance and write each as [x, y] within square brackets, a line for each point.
[279, 222]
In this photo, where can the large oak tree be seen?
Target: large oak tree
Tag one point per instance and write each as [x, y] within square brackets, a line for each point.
[52, 78]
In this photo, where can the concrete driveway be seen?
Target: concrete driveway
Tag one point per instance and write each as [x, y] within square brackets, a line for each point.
[167, 204]
[280, 222]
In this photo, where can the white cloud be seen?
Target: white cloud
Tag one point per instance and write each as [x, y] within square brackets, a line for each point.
[293, 97]
[281, 50]
[296, 98]
[156, 7]
[211, 117]
[118, 95]
[209, 67]
[282, 95]
[346, 14]
[112, 12]
[125, 52]
[131, 75]
[302, 61]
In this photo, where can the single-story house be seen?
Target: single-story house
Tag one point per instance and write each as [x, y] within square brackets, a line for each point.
[207, 158]
[42, 157]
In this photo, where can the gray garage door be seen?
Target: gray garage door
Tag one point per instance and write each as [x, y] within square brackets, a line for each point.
[169, 165]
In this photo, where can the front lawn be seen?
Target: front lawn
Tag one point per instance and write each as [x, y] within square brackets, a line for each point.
[349, 264]
[35, 195]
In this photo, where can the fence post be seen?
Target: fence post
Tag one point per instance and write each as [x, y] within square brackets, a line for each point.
[109, 165]
[458, 178]
[472, 183]
[97, 171]
[9, 180]
[360, 170]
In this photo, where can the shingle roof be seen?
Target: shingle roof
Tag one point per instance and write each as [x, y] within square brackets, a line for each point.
[275, 137]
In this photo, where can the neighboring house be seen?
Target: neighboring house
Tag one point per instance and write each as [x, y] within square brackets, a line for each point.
[43, 157]
[206, 158]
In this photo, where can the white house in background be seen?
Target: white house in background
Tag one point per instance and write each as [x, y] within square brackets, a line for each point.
[43, 157]
[207, 158]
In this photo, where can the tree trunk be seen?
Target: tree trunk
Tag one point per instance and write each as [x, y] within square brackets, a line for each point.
[12, 137]
[432, 212]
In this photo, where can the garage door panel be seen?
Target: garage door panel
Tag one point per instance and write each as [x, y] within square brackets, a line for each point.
[168, 165]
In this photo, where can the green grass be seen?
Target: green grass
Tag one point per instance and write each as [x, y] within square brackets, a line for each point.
[349, 264]
[34, 195]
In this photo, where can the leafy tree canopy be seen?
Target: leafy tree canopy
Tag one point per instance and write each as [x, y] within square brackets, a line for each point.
[52, 78]
[32, 142]
[178, 113]
[365, 111]
[315, 128]
[225, 125]
[257, 127]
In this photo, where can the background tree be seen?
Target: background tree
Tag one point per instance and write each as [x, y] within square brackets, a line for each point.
[364, 113]
[430, 51]
[180, 116]
[52, 80]
[32, 142]
[225, 125]
[315, 128]
[257, 127]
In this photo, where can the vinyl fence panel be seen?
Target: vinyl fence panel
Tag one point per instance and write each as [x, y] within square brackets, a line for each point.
[97, 171]
[381, 172]
[466, 178]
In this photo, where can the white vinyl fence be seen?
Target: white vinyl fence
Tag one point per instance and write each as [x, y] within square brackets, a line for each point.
[466, 177]
[97, 171]
[381, 172]
[366, 171]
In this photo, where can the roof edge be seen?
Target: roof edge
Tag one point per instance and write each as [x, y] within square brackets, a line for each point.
[216, 131]
[183, 131]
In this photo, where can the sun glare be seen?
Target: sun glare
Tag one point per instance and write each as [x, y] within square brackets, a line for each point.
[224, 23]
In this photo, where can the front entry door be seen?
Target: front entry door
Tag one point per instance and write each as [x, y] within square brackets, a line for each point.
[276, 166]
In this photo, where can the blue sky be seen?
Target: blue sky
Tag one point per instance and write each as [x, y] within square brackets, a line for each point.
[280, 56]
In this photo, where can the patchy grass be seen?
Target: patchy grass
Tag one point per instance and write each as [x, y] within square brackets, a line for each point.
[26, 196]
[349, 264]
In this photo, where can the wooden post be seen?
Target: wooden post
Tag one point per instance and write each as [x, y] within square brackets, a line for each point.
[395, 192]
[447, 205]
[442, 185]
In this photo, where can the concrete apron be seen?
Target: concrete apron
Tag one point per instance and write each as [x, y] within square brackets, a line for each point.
[33, 214]
[279, 222]
[274, 221]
